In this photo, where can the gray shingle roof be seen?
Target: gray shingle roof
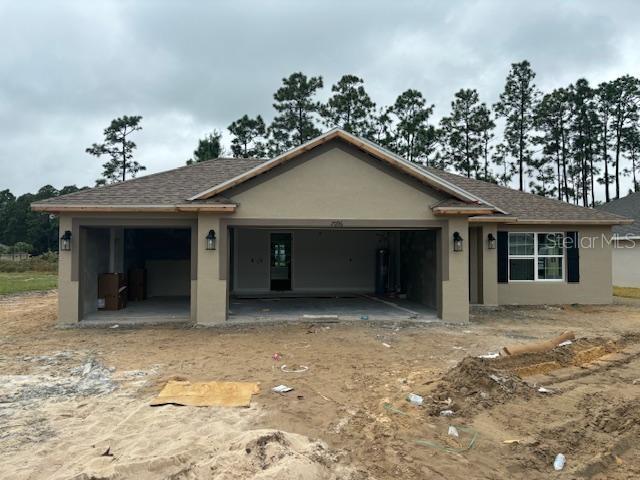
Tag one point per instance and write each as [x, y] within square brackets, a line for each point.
[524, 206]
[629, 207]
[172, 187]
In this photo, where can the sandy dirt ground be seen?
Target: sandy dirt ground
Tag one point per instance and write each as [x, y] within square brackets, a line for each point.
[74, 402]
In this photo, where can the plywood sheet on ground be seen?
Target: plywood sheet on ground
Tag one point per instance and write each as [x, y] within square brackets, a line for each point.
[207, 394]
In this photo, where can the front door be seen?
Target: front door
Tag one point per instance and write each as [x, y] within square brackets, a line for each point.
[280, 261]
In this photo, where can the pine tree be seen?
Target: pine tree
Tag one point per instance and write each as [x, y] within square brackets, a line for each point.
[585, 140]
[350, 107]
[552, 119]
[486, 127]
[605, 99]
[209, 147]
[297, 110]
[505, 167]
[516, 105]
[631, 148]
[462, 134]
[413, 137]
[119, 149]
[248, 137]
[626, 92]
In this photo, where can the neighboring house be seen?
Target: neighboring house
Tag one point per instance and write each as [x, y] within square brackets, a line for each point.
[338, 215]
[626, 248]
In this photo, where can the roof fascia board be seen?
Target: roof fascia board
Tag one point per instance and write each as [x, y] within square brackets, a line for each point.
[572, 222]
[53, 208]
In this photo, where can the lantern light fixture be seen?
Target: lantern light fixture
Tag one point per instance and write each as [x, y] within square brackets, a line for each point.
[457, 242]
[491, 242]
[211, 240]
[65, 241]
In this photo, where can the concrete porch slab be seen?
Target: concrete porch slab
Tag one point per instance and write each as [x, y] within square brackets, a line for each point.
[153, 311]
[323, 308]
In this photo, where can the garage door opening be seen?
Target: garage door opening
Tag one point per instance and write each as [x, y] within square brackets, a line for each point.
[349, 274]
[135, 274]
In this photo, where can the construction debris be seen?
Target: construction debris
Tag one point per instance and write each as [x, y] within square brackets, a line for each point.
[207, 394]
[294, 368]
[538, 347]
[282, 389]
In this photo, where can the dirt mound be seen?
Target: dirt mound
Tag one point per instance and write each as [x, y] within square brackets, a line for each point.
[592, 442]
[581, 351]
[479, 383]
[255, 454]
[474, 383]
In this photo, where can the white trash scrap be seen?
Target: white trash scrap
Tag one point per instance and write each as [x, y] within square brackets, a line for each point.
[282, 389]
[299, 369]
[490, 355]
[558, 463]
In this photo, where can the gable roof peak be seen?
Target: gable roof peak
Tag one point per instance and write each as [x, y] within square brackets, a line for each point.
[365, 145]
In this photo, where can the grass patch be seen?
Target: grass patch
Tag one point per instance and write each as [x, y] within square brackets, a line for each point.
[628, 292]
[27, 282]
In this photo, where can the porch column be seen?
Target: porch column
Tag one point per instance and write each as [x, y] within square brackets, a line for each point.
[455, 278]
[489, 266]
[211, 291]
[68, 284]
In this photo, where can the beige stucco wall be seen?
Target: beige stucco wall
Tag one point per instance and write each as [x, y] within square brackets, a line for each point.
[626, 263]
[324, 261]
[455, 281]
[595, 272]
[334, 182]
[211, 290]
[68, 289]
[489, 265]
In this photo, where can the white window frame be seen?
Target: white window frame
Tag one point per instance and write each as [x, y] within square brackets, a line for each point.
[535, 258]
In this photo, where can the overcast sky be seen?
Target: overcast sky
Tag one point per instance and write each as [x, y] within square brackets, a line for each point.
[68, 68]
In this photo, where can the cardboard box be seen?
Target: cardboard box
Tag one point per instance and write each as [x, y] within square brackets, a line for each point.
[112, 287]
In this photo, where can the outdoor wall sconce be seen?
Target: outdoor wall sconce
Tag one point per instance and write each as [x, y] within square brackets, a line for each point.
[211, 240]
[65, 241]
[457, 242]
[491, 242]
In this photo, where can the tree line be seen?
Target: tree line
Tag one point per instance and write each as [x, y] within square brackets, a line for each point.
[557, 144]
[21, 229]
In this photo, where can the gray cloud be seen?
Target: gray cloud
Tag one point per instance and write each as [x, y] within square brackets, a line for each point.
[69, 67]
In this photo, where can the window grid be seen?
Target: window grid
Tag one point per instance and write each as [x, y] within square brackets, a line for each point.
[535, 256]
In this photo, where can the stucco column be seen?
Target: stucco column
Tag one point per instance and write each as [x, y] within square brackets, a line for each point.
[455, 282]
[68, 287]
[211, 292]
[489, 266]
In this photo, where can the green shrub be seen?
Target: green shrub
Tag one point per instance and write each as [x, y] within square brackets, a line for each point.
[47, 262]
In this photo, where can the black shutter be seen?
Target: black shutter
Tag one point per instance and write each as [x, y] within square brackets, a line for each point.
[503, 257]
[573, 258]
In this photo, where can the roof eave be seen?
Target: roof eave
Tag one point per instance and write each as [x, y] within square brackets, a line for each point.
[462, 211]
[59, 208]
[592, 221]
